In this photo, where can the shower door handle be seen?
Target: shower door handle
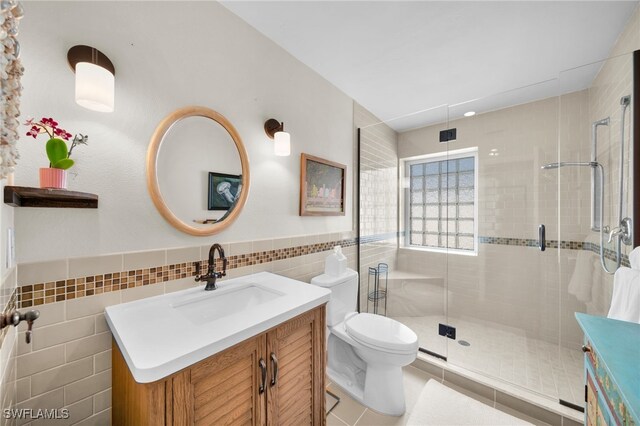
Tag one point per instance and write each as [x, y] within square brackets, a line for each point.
[542, 242]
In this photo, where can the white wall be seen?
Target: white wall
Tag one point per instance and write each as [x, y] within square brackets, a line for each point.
[168, 55]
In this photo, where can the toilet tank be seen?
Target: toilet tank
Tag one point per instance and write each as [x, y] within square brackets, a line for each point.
[344, 294]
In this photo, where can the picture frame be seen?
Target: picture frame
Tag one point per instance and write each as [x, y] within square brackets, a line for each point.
[322, 187]
[224, 189]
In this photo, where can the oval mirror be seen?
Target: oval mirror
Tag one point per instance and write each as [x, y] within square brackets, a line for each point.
[197, 171]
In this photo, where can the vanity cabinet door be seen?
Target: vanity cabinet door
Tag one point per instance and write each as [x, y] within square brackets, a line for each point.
[295, 356]
[223, 389]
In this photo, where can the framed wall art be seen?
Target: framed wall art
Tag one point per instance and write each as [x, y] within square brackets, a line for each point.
[322, 187]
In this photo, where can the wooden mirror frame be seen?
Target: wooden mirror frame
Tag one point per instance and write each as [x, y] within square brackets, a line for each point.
[152, 176]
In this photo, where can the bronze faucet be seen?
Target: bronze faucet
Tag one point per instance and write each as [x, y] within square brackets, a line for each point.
[211, 276]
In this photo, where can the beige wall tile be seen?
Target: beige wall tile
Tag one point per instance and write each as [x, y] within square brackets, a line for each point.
[144, 259]
[102, 361]
[239, 272]
[45, 337]
[53, 399]
[262, 245]
[101, 323]
[237, 248]
[51, 313]
[263, 267]
[91, 305]
[60, 376]
[136, 293]
[91, 345]
[102, 401]
[100, 419]
[77, 412]
[22, 345]
[181, 255]
[281, 243]
[23, 389]
[87, 387]
[181, 284]
[96, 265]
[40, 272]
[38, 361]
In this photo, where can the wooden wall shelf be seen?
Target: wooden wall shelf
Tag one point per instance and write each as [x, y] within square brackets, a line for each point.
[21, 196]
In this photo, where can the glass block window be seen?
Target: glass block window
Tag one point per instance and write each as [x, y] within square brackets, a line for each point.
[440, 206]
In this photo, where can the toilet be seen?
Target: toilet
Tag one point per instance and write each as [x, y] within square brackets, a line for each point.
[365, 352]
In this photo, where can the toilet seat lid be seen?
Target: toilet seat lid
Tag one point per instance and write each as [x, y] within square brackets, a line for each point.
[381, 332]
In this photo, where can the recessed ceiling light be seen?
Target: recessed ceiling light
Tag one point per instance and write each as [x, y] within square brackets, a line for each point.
[469, 113]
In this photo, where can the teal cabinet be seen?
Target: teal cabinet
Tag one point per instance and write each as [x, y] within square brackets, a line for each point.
[612, 371]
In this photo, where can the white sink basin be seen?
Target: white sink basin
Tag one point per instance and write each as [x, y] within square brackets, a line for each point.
[161, 335]
[218, 304]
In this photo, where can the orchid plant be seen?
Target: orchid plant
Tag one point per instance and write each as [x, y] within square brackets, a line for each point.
[56, 146]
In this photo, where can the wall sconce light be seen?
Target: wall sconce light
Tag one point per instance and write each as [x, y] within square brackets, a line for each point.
[95, 78]
[281, 139]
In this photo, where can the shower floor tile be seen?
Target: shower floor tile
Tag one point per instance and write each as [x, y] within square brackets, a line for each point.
[505, 353]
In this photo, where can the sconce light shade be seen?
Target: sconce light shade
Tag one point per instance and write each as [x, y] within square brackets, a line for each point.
[282, 144]
[95, 78]
[282, 140]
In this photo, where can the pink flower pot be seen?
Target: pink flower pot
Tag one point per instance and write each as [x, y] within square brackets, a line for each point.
[53, 178]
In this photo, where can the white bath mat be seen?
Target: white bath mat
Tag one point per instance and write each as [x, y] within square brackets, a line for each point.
[439, 405]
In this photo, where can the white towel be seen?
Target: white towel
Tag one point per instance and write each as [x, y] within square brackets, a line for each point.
[439, 405]
[625, 302]
[582, 281]
[634, 258]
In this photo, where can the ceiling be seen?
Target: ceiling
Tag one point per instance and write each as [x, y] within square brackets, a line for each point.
[404, 60]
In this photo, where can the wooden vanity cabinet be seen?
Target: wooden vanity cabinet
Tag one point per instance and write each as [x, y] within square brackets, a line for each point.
[228, 387]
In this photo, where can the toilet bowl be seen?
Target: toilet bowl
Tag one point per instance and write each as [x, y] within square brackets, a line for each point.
[366, 352]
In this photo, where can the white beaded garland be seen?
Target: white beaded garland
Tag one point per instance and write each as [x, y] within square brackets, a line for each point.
[10, 88]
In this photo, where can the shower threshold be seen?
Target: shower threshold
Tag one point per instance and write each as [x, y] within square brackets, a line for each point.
[499, 392]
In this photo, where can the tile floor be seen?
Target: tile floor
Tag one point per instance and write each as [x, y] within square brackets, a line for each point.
[506, 353]
[351, 413]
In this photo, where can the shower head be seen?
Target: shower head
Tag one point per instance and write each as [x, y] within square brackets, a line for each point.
[574, 164]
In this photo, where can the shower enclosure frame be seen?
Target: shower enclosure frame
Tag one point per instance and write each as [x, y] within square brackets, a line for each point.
[635, 132]
[634, 176]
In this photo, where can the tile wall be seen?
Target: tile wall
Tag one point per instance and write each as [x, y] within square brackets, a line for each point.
[68, 363]
[7, 346]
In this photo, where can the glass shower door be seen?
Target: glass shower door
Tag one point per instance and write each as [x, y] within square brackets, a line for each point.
[503, 295]
[397, 203]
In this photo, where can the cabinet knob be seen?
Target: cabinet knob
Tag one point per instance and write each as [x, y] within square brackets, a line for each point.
[586, 348]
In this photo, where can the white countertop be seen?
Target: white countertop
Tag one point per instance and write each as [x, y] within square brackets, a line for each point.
[157, 339]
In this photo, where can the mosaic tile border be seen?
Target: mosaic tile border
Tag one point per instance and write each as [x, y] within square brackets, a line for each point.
[69, 289]
[567, 245]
